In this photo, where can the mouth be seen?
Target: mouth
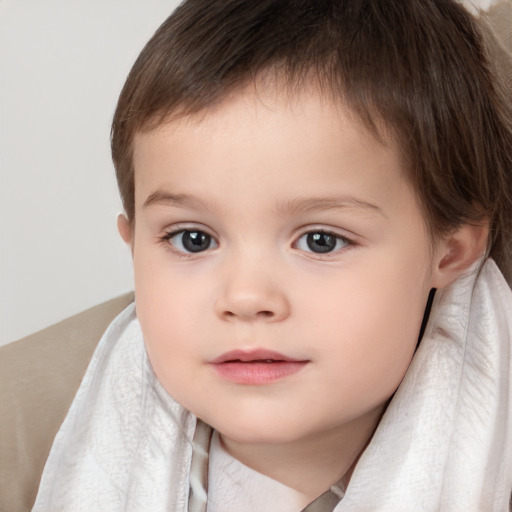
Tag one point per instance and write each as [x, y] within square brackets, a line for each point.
[256, 367]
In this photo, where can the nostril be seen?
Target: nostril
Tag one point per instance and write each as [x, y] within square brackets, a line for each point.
[230, 315]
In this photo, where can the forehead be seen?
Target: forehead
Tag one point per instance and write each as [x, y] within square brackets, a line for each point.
[291, 144]
[273, 105]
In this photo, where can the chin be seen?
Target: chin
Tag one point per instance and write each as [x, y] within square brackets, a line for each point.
[264, 430]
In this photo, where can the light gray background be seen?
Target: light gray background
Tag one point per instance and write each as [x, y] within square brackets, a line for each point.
[62, 65]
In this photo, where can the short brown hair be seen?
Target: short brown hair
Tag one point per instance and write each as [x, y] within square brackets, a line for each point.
[417, 67]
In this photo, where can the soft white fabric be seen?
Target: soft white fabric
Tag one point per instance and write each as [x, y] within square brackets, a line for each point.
[124, 445]
[475, 6]
[234, 487]
[444, 443]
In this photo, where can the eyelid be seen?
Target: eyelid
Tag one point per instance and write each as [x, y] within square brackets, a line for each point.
[174, 229]
[325, 228]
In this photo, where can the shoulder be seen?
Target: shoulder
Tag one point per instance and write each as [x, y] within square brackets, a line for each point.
[39, 376]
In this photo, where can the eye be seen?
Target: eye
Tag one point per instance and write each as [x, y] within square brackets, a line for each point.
[190, 241]
[321, 242]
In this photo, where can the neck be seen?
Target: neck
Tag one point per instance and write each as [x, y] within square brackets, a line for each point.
[313, 463]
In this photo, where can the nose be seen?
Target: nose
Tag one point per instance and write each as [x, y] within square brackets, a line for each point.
[251, 295]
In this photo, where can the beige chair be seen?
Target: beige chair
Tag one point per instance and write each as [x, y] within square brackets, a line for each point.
[39, 376]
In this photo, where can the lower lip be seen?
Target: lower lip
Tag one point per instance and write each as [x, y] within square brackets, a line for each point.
[257, 373]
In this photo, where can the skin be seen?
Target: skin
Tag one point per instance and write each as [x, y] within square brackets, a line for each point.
[257, 174]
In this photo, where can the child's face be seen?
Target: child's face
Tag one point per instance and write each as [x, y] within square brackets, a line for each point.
[279, 229]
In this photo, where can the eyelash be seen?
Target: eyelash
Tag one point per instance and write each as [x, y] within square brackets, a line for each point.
[347, 242]
[167, 237]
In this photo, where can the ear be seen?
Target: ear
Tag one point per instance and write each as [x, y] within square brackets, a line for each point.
[125, 228]
[458, 251]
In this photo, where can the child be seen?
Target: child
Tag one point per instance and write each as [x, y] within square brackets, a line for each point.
[298, 176]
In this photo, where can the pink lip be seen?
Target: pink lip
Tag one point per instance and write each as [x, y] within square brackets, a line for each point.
[256, 366]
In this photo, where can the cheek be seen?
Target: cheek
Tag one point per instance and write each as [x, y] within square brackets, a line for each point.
[368, 325]
[164, 309]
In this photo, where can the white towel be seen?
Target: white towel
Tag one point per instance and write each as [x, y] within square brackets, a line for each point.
[475, 6]
[124, 445]
[444, 443]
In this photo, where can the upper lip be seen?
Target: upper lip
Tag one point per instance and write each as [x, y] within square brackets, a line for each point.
[253, 355]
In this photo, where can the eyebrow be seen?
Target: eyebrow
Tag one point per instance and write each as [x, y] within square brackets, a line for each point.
[290, 207]
[312, 205]
[167, 198]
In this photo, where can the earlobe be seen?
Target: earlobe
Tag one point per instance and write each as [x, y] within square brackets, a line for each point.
[125, 229]
[458, 252]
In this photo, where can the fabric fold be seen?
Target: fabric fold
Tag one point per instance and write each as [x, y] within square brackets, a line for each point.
[451, 416]
[125, 444]
[444, 443]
